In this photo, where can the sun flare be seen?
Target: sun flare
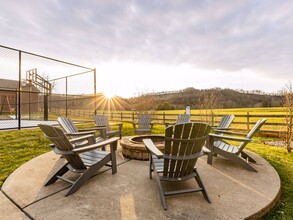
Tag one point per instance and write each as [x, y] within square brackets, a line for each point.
[109, 94]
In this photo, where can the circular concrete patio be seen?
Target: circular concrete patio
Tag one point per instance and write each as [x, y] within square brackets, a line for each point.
[130, 194]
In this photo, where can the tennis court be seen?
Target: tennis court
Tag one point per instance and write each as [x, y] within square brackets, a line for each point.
[13, 124]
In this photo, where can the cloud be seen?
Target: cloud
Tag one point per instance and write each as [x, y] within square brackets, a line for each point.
[213, 35]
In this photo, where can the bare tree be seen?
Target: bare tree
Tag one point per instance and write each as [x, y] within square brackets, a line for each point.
[209, 103]
[287, 98]
[144, 102]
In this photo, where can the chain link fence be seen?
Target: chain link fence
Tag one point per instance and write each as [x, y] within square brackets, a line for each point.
[35, 88]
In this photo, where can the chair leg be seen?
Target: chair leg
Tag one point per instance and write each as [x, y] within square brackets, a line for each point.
[246, 156]
[88, 174]
[210, 158]
[199, 182]
[151, 165]
[113, 147]
[244, 164]
[60, 172]
[162, 196]
[78, 183]
[236, 159]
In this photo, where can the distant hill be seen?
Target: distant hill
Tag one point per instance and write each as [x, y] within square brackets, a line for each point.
[225, 98]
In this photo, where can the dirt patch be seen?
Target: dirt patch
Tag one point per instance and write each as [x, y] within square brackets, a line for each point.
[5, 117]
[277, 144]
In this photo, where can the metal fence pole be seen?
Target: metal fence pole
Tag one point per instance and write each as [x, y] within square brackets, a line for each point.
[19, 88]
[95, 91]
[247, 121]
[66, 97]
[46, 107]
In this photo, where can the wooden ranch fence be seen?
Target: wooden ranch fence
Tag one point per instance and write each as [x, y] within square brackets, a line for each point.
[274, 126]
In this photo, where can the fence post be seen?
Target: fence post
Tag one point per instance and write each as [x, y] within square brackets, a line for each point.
[66, 97]
[121, 116]
[19, 94]
[247, 121]
[95, 90]
[164, 118]
[132, 116]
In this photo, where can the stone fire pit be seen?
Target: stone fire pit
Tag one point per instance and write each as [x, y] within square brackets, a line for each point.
[134, 148]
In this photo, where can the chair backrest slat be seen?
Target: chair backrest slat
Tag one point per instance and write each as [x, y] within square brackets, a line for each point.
[60, 141]
[144, 121]
[226, 121]
[183, 149]
[198, 130]
[183, 118]
[252, 132]
[102, 120]
[67, 124]
[191, 144]
[175, 149]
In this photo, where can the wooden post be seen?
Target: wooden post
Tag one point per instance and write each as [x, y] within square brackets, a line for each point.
[19, 92]
[95, 91]
[164, 121]
[247, 121]
[66, 89]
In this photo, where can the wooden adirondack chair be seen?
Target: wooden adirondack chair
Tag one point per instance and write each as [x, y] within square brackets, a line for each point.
[218, 145]
[86, 160]
[144, 124]
[183, 146]
[102, 121]
[72, 131]
[183, 118]
[225, 122]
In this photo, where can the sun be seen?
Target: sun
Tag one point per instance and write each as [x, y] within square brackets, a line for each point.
[109, 94]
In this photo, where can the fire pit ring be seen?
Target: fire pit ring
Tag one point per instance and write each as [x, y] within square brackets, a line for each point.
[134, 148]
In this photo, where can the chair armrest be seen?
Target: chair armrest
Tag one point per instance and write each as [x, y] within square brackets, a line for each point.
[80, 133]
[119, 124]
[220, 129]
[88, 129]
[152, 147]
[95, 146]
[98, 128]
[85, 137]
[229, 132]
[115, 123]
[152, 125]
[134, 124]
[218, 136]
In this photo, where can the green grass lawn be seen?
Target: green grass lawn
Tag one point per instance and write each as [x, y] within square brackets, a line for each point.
[18, 147]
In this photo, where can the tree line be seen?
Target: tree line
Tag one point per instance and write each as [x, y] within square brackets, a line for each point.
[198, 99]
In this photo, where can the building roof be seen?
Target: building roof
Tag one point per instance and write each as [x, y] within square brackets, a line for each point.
[13, 85]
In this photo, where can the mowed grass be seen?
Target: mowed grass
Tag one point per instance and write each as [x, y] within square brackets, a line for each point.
[18, 147]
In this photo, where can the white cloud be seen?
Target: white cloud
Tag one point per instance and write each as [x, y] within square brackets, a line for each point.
[223, 37]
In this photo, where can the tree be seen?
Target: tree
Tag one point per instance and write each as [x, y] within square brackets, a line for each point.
[143, 102]
[209, 103]
[165, 106]
[287, 98]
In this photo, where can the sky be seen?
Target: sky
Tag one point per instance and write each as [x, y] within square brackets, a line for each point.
[140, 46]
